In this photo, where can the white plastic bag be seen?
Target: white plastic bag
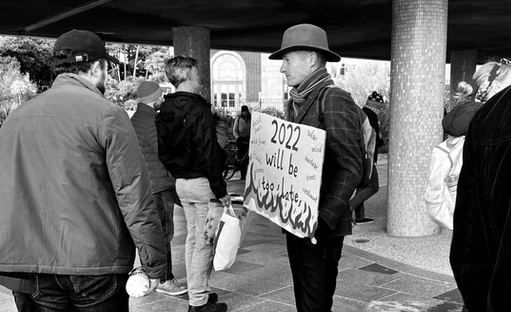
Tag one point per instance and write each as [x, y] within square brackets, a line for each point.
[227, 240]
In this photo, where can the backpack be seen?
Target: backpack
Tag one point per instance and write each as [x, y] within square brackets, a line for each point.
[369, 138]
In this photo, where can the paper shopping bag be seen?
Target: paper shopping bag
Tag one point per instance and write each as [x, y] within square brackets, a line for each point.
[227, 240]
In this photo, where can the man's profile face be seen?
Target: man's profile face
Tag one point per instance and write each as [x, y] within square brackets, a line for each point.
[295, 67]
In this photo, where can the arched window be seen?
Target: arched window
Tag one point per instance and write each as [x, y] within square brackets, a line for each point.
[228, 79]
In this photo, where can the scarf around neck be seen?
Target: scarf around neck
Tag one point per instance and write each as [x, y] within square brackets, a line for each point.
[299, 94]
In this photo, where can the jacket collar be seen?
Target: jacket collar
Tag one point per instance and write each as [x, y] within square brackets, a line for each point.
[76, 80]
[145, 108]
[188, 96]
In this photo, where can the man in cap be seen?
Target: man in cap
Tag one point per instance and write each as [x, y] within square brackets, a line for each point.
[76, 195]
[304, 52]
[189, 149]
[163, 184]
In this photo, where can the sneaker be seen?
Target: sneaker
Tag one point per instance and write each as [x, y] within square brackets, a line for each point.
[209, 307]
[171, 287]
[364, 221]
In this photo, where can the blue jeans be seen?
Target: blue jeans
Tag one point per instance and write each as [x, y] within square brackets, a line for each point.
[79, 293]
[164, 202]
[364, 193]
[314, 270]
[195, 195]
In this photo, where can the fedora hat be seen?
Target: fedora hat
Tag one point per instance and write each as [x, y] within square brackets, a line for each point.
[305, 37]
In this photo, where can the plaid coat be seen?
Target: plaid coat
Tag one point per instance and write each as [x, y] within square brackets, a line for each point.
[342, 169]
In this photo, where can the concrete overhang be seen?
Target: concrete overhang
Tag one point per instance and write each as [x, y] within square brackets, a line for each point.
[356, 28]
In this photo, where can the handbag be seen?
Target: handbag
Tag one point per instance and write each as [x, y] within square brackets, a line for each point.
[227, 240]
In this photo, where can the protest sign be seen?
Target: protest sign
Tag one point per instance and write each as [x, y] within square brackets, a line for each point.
[284, 176]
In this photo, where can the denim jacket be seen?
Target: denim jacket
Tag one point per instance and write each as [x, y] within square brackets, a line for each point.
[481, 245]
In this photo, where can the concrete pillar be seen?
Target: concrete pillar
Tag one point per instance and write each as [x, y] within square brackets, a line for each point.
[253, 75]
[195, 42]
[463, 67]
[418, 56]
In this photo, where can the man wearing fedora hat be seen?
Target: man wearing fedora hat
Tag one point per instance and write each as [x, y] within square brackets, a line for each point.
[304, 52]
[76, 195]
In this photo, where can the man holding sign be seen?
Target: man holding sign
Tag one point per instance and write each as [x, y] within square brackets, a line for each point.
[314, 262]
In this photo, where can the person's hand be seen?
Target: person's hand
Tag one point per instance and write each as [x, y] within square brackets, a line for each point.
[152, 285]
[226, 200]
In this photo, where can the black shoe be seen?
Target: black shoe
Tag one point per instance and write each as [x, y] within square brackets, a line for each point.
[364, 221]
[213, 298]
[209, 307]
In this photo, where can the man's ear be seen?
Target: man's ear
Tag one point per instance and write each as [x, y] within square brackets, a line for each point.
[96, 69]
[313, 57]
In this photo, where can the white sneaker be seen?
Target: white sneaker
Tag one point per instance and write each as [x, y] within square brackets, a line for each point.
[171, 287]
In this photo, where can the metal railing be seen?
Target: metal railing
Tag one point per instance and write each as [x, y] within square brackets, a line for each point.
[235, 107]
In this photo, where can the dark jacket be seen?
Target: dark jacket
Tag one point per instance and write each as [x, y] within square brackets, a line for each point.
[342, 169]
[373, 121]
[75, 195]
[143, 123]
[456, 122]
[187, 141]
[481, 244]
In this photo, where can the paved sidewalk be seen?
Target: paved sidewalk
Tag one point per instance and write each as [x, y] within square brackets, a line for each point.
[260, 280]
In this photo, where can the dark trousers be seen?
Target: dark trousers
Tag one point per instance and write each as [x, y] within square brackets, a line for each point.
[242, 145]
[314, 270]
[24, 302]
[364, 193]
[164, 202]
[79, 293]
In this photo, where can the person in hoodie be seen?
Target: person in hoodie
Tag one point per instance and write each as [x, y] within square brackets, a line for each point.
[189, 149]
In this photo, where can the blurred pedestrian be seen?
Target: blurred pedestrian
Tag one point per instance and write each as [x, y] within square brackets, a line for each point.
[374, 103]
[76, 196]
[189, 149]
[241, 131]
[447, 159]
[163, 184]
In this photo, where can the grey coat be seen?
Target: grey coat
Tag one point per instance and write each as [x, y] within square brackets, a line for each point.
[75, 191]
